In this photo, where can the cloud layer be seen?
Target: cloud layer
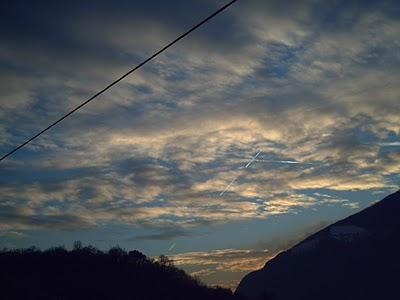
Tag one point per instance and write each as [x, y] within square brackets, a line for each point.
[313, 83]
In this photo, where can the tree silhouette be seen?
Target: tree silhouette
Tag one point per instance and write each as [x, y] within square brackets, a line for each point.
[77, 245]
[88, 273]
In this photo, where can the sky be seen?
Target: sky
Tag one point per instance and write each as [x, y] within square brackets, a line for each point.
[273, 120]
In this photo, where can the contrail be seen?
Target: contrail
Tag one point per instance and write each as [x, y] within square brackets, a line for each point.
[285, 161]
[252, 160]
[172, 247]
[278, 161]
[245, 167]
[389, 144]
[384, 144]
[228, 186]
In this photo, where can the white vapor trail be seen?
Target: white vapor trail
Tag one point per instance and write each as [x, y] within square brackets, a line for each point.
[252, 159]
[389, 144]
[245, 167]
[228, 186]
[172, 247]
[285, 161]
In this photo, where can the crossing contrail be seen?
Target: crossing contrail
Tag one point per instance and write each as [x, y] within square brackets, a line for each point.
[245, 167]
[252, 160]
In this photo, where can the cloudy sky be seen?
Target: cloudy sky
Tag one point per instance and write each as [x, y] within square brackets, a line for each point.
[166, 162]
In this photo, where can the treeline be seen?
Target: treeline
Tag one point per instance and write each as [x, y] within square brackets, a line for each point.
[89, 273]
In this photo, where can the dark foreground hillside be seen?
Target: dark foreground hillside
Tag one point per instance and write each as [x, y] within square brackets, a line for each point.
[356, 258]
[88, 273]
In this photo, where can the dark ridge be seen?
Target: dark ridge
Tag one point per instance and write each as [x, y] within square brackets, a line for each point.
[88, 273]
[356, 258]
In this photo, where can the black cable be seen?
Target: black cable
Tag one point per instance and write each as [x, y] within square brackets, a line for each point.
[120, 78]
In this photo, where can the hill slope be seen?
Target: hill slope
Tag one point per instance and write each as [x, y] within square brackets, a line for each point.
[355, 258]
[87, 273]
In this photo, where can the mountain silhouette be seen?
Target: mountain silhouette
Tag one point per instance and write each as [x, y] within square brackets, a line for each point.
[88, 273]
[355, 258]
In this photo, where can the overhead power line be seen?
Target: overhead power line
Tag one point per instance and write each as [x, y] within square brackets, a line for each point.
[120, 78]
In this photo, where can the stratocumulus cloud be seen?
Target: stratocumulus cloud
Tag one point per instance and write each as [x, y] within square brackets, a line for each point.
[128, 163]
[210, 264]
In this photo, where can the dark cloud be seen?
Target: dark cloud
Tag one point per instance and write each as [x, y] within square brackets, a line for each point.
[285, 241]
[168, 234]
[12, 217]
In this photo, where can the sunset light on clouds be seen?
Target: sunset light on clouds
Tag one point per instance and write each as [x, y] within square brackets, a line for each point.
[310, 85]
